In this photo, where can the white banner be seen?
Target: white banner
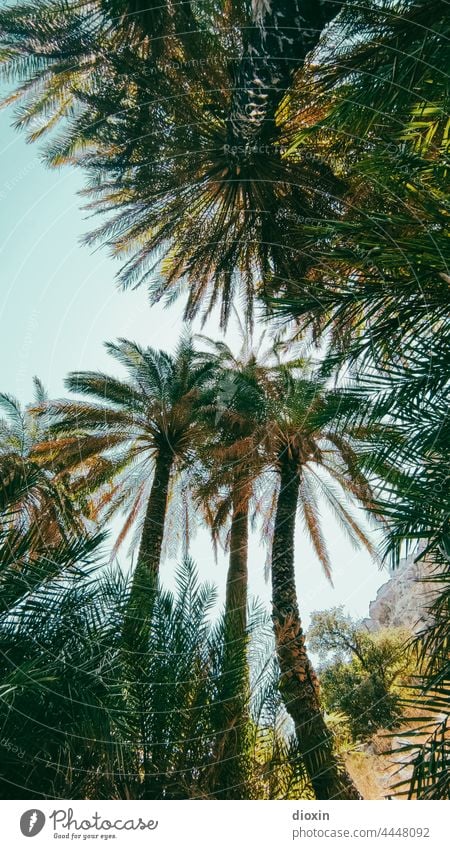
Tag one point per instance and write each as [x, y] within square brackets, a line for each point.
[235, 825]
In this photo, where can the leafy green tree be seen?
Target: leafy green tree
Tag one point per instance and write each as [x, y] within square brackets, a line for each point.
[362, 672]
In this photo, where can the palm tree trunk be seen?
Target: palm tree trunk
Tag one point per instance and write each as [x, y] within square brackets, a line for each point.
[237, 577]
[138, 614]
[298, 681]
[283, 34]
[147, 567]
[153, 530]
[232, 740]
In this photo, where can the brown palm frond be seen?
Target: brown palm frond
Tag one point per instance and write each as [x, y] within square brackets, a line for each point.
[129, 522]
[309, 510]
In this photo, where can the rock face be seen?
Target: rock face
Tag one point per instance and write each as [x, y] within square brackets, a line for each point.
[404, 599]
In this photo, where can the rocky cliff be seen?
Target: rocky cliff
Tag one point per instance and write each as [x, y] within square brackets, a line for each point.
[404, 599]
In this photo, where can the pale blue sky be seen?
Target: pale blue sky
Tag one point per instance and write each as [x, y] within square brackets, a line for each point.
[59, 302]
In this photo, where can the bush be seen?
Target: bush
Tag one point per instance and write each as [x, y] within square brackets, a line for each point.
[361, 672]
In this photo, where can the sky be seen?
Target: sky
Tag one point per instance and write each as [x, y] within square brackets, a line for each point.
[58, 304]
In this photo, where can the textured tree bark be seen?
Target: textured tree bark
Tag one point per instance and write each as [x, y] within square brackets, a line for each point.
[237, 577]
[147, 567]
[138, 615]
[153, 530]
[276, 46]
[298, 681]
[232, 740]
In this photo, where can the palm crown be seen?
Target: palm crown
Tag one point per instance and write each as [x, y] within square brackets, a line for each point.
[204, 173]
[306, 439]
[131, 431]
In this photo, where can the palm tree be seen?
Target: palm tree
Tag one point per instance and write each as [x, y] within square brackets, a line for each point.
[370, 284]
[69, 710]
[46, 504]
[275, 46]
[59, 50]
[382, 289]
[414, 499]
[292, 434]
[203, 171]
[232, 459]
[230, 463]
[87, 731]
[72, 41]
[31, 558]
[129, 442]
[310, 456]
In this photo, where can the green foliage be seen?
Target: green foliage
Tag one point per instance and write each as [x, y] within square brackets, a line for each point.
[362, 672]
[34, 497]
[28, 557]
[42, 532]
[380, 276]
[362, 697]
[193, 177]
[108, 445]
[336, 220]
[77, 724]
[426, 738]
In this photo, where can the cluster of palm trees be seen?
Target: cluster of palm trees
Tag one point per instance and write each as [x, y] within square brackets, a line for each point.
[300, 169]
[128, 447]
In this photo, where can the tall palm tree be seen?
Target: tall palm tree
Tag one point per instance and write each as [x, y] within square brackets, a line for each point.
[275, 45]
[310, 457]
[129, 442]
[291, 439]
[203, 170]
[230, 463]
[232, 460]
[71, 41]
